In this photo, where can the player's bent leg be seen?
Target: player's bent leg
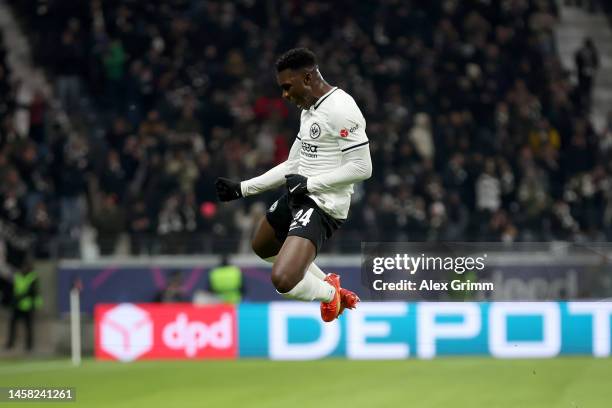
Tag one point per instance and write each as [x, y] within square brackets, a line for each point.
[294, 257]
[289, 272]
[264, 243]
[294, 274]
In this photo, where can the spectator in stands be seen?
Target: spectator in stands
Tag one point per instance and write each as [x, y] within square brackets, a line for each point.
[488, 189]
[141, 228]
[114, 66]
[71, 53]
[175, 222]
[109, 221]
[587, 63]
[471, 102]
[43, 224]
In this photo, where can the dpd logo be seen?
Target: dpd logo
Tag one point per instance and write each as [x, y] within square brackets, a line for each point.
[194, 335]
[126, 332]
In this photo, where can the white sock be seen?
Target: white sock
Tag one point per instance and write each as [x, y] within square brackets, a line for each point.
[311, 288]
[316, 271]
[313, 269]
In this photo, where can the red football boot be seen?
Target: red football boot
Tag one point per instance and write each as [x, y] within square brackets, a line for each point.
[348, 300]
[331, 310]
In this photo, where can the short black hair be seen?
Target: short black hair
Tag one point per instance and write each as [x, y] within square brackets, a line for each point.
[296, 58]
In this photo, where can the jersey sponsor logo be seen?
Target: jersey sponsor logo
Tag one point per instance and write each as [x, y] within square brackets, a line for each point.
[344, 132]
[273, 206]
[315, 131]
[310, 150]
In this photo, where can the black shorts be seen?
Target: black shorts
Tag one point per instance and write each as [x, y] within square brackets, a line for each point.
[300, 216]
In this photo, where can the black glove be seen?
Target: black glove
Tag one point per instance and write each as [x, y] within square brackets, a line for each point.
[296, 184]
[227, 190]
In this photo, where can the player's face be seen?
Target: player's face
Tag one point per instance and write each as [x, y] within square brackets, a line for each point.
[295, 85]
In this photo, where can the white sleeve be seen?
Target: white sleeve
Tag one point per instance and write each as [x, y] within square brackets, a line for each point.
[275, 177]
[356, 166]
[348, 125]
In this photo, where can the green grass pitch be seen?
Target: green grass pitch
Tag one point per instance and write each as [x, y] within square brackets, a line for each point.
[570, 382]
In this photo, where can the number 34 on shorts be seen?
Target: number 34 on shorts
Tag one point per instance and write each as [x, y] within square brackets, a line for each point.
[301, 218]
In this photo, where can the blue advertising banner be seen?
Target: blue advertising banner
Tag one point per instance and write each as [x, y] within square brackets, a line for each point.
[399, 330]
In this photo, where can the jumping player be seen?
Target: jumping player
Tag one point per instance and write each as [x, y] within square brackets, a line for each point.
[330, 153]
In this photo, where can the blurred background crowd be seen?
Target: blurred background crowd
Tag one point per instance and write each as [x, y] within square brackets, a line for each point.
[477, 130]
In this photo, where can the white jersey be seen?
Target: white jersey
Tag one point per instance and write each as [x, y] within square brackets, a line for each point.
[331, 127]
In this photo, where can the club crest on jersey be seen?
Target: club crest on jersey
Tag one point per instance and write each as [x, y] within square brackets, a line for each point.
[315, 131]
[344, 133]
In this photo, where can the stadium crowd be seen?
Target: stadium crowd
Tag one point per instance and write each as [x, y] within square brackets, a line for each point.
[477, 131]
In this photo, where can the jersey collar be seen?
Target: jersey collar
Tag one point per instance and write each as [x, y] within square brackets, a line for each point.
[324, 97]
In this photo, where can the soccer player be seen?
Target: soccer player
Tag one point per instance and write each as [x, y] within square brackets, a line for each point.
[330, 153]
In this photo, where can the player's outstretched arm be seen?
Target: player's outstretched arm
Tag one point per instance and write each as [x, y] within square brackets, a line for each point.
[275, 177]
